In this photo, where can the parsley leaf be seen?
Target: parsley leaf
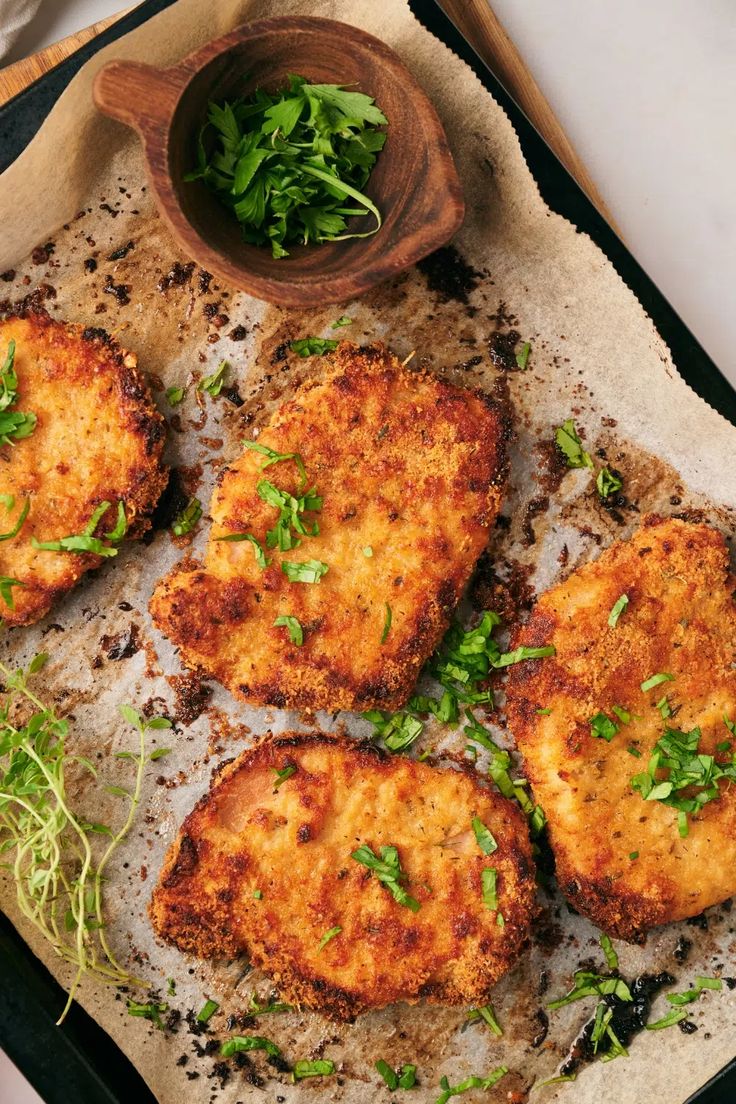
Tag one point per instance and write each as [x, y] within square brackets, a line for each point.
[85, 541]
[305, 571]
[488, 878]
[273, 457]
[260, 555]
[188, 518]
[313, 346]
[13, 423]
[6, 589]
[328, 936]
[568, 442]
[655, 680]
[240, 1043]
[343, 321]
[487, 1015]
[174, 395]
[603, 727]
[617, 609]
[207, 1011]
[296, 633]
[388, 871]
[10, 503]
[322, 1067]
[523, 355]
[608, 482]
[469, 1083]
[386, 624]
[283, 774]
[484, 836]
[213, 384]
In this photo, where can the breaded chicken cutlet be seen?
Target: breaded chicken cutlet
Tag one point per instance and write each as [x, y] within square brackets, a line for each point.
[339, 550]
[266, 866]
[97, 437]
[632, 739]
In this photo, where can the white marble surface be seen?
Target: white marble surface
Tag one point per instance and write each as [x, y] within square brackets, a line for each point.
[646, 92]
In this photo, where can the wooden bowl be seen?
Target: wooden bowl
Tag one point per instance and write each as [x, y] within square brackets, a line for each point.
[414, 183]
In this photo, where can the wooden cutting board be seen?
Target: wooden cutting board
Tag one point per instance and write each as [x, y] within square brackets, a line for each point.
[474, 18]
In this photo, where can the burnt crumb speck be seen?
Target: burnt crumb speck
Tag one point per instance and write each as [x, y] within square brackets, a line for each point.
[543, 1020]
[192, 1075]
[687, 1027]
[178, 275]
[191, 697]
[182, 1060]
[204, 280]
[123, 251]
[238, 333]
[279, 1063]
[449, 275]
[110, 210]
[280, 353]
[96, 333]
[8, 276]
[700, 922]
[232, 395]
[682, 949]
[90, 265]
[502, 347]
[119, 292]
[41, 253]
[122, 645]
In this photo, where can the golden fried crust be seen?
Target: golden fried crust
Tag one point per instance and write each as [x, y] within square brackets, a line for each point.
[98, 437]
[294, 844]
[680, 620]
[409, 467]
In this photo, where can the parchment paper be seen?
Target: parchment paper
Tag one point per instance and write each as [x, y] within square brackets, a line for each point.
[80, 187]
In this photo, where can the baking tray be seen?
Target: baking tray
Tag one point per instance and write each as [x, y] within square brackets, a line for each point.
[80, 1062]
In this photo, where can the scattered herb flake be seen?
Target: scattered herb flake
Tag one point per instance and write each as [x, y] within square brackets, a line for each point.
[328, 936]
[240, 1043]
[313, 346]
[469, 1083]
[296, 633]
[386, 624]
[388, 871]
[306, 571]
[523, 355]
[188, 518]
[322, 1067]
[485, 839]
[609, 952]
[207, 1011]
[603, 727]
[617, 609]
[342, 321]
[487, 1015]
[283, 774]
[488, 877]
[655, 680]
[174, 395]
[258, 551]
[213, 384]
[85, 541]
[608, 483]
[569, 443]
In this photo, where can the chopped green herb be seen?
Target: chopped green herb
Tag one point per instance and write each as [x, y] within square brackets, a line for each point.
[708, 983]
[386, 624]
[239, 1043]
[273, 457]
[588, 984]
[523, 355]
[603, 727]
[367, 551]
[174, 395]
[323, 1067]
[388, 871]
[568, 442]
[408, 1076]
[306, 571]
[258, 894]
[488, 878]
[487, 1015]
[389, 1076]
[609, 952]
[633, 855]
[170, 987]
[150, 1011]
[85, 541]
[672, 1018]
[258, 551]
[655, 680]
[544, 712]
[13, 423]
[213, 384]
[485, 839]
[292, 164]
[188, 518]
[291, 515]
[296, 633]
[617, 609]
[10, 503]
[664, 707]
[688, 769]
[6, 589]
[623, 715]
[634, 751]
[397, 730]
[608, 482]
[313, 346]
[342, 321]
[283, 774]
[328, 936]
[207, 1011]
[469, 1083]
[506, 659]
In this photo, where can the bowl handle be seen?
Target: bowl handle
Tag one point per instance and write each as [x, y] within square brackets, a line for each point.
[139, 95]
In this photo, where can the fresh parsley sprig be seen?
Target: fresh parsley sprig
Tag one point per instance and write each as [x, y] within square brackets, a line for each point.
[568, 442]
[291, 165]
